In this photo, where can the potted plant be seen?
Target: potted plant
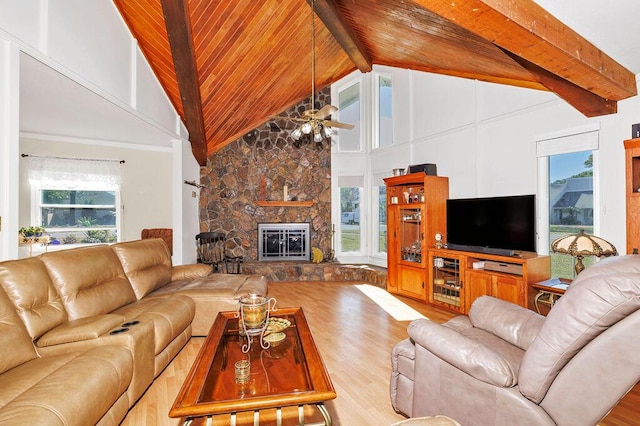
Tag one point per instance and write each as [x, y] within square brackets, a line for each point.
[33, 234]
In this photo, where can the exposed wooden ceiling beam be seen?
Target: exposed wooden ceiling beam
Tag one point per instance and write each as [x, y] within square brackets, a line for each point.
[176, 16]
[590, 104]
[344, 35]
[529, 32]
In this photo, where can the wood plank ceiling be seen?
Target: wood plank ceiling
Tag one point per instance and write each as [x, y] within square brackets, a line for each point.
[229, 65]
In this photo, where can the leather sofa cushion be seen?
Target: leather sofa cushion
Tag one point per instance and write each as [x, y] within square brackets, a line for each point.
[15, 342]
[90, 280]
[601, 299]
[191, 271]
[70, 389]
[613, 265]
[216, 286]
[473, 351]
[147, 264]
[81, 329]
[31, 291]
[170, 317]
[510, 322]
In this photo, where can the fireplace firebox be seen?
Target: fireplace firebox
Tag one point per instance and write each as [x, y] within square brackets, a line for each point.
[283, 241]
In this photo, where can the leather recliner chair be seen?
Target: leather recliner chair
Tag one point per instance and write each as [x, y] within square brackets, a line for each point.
[505, 365]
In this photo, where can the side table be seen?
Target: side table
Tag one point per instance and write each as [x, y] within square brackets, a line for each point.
[549, 291]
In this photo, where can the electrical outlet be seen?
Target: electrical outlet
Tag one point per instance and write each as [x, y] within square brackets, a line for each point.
[193, 194]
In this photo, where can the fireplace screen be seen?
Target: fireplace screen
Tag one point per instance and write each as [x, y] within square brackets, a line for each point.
[283, 241]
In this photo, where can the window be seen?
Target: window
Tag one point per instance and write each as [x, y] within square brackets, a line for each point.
[349, 105]
[76, 217]
[76, 200]
[570, 204]
[350, 219]
[382, 219]
[385, 116]
[379, 197]
[567, 188]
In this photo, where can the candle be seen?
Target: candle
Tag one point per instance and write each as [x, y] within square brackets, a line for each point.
[285, 191]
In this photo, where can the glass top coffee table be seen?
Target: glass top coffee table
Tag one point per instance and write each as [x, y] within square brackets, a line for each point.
[289, 373]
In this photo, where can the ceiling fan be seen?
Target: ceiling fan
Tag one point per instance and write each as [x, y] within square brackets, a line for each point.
[314, 122]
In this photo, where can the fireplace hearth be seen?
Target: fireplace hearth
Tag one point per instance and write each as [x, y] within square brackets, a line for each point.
[283, 241]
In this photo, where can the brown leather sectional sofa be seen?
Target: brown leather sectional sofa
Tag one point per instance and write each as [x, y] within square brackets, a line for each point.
[84, 332]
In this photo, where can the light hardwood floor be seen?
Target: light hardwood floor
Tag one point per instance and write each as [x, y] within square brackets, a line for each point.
[355, 337]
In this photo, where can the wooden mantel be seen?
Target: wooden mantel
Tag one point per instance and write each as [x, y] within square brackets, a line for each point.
[285, 203]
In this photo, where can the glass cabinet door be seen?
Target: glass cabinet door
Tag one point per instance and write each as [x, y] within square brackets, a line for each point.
[411, 238]
[447, 281]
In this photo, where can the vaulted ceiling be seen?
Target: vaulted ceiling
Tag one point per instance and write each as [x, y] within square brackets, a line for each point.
[227, 66]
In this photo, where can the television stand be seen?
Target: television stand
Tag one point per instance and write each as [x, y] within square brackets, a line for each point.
[478, 249]
[469, 275]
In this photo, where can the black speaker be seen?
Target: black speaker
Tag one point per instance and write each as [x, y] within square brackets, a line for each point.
[635, 131]
[427, 168]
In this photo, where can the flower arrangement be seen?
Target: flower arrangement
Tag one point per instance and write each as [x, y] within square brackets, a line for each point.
[33, 234]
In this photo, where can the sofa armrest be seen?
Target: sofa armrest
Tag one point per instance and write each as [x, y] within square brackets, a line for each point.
[510, 322]
[186, 272]
[81, 329]
[467, 355]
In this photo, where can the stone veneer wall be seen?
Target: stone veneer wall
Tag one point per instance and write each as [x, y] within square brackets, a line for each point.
[256, 167]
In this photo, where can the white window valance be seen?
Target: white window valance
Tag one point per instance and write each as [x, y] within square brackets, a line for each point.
[350, 181]
[75, 173]
[584, 139]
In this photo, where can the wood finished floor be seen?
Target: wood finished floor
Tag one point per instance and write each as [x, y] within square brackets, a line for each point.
[355, 337]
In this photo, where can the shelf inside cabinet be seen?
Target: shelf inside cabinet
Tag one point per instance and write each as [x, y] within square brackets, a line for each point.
[417, 204]
[411, 256]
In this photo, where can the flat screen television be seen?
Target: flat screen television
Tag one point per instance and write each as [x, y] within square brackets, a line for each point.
[495, 225]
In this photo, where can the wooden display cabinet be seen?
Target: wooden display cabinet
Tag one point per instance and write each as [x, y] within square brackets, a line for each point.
[416, 211]
[632, 170]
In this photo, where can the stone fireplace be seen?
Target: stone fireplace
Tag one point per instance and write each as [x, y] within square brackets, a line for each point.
[243, 185]
[283, 241]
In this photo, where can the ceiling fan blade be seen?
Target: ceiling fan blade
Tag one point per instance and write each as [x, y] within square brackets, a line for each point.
[338, 125]
[325, 111]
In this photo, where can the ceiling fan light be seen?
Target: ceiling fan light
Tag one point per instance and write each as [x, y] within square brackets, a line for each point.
[296, 133]
[306, 128]
[317, 136]
[328, 131]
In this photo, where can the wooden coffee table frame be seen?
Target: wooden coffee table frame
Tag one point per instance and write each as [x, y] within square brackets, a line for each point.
[190, 405]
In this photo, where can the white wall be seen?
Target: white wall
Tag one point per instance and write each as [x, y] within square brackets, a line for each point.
[80, 83]
[482, 136]
[186, 214]
[9, 106]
